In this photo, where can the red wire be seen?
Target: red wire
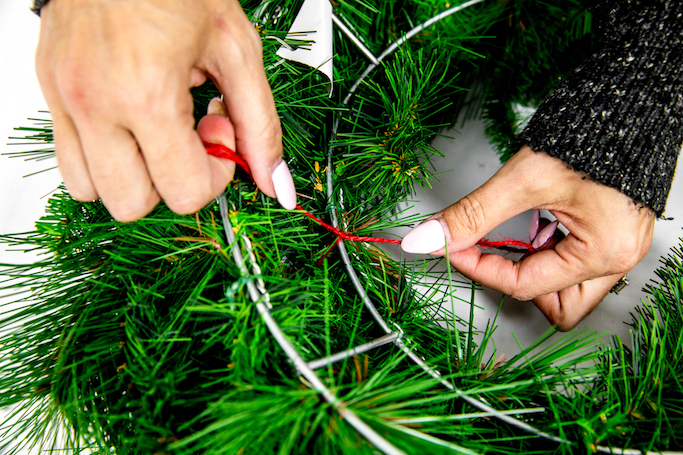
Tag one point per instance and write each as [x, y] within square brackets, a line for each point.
[221, 151]
[345, 235]
[504, 244]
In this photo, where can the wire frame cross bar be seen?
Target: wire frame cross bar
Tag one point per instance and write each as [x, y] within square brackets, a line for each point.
[361, 348]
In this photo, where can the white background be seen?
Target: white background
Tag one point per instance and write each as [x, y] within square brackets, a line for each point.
[20, 98]
[21, 203]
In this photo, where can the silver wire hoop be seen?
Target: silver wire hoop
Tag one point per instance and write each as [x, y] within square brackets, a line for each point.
[360, 289]
[260, 297]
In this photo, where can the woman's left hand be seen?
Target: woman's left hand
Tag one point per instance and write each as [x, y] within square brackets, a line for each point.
[608, 235]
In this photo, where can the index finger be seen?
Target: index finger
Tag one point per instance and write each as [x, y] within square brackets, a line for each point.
[235, 64]
[183, 174]
[542, 273]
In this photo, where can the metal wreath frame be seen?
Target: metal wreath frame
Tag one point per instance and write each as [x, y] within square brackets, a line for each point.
[259, 295]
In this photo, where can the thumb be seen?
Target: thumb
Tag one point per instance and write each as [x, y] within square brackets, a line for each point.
[464, 223]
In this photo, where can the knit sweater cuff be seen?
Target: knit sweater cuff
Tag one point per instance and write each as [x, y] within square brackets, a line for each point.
[619, 117]
[38, 5]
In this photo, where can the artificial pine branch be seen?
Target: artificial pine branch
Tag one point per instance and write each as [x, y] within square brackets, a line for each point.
[140, 338]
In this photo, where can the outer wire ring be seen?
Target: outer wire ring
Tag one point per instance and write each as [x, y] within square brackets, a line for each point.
[477, 403]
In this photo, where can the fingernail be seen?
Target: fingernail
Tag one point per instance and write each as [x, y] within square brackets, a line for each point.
[544, 235]
[284, 186]
[533, 228]
[216, 106]
[425, 238]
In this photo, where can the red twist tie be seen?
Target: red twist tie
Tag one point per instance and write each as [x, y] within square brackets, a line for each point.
[221, 151]
[507, 245]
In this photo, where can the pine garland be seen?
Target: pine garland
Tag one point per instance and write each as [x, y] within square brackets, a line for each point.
[140, 338]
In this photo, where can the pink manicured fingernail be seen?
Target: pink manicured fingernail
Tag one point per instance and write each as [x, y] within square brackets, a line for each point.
[425, 238]
[216, 106]
[284, 186]
[544, 235]
[533, 227]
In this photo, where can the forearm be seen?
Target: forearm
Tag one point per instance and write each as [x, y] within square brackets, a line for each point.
[619, 117]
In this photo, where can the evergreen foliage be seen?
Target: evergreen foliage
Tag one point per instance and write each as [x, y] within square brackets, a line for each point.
[140, 338]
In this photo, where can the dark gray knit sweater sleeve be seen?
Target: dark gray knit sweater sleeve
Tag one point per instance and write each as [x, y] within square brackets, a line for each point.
[38, 5]
[619, 117]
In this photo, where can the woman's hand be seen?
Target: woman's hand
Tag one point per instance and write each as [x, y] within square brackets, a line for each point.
[608, 235]
[116, 76]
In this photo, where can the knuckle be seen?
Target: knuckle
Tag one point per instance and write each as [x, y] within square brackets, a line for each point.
[471, 217]
[564, 325]
[520, 289]
[240, 40]
[253, 40]
[559, 317]
[628, 263]
[127, 213]
[631, 247]
[272, 134]
[268, 133]
[136, 105]
[248, 42]
[631, 251]
[241, 47]
[85, 92]
[189, 203]
[73, 88]
[80, 192]
[128, 208]
[185, 207]
[521, 294]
